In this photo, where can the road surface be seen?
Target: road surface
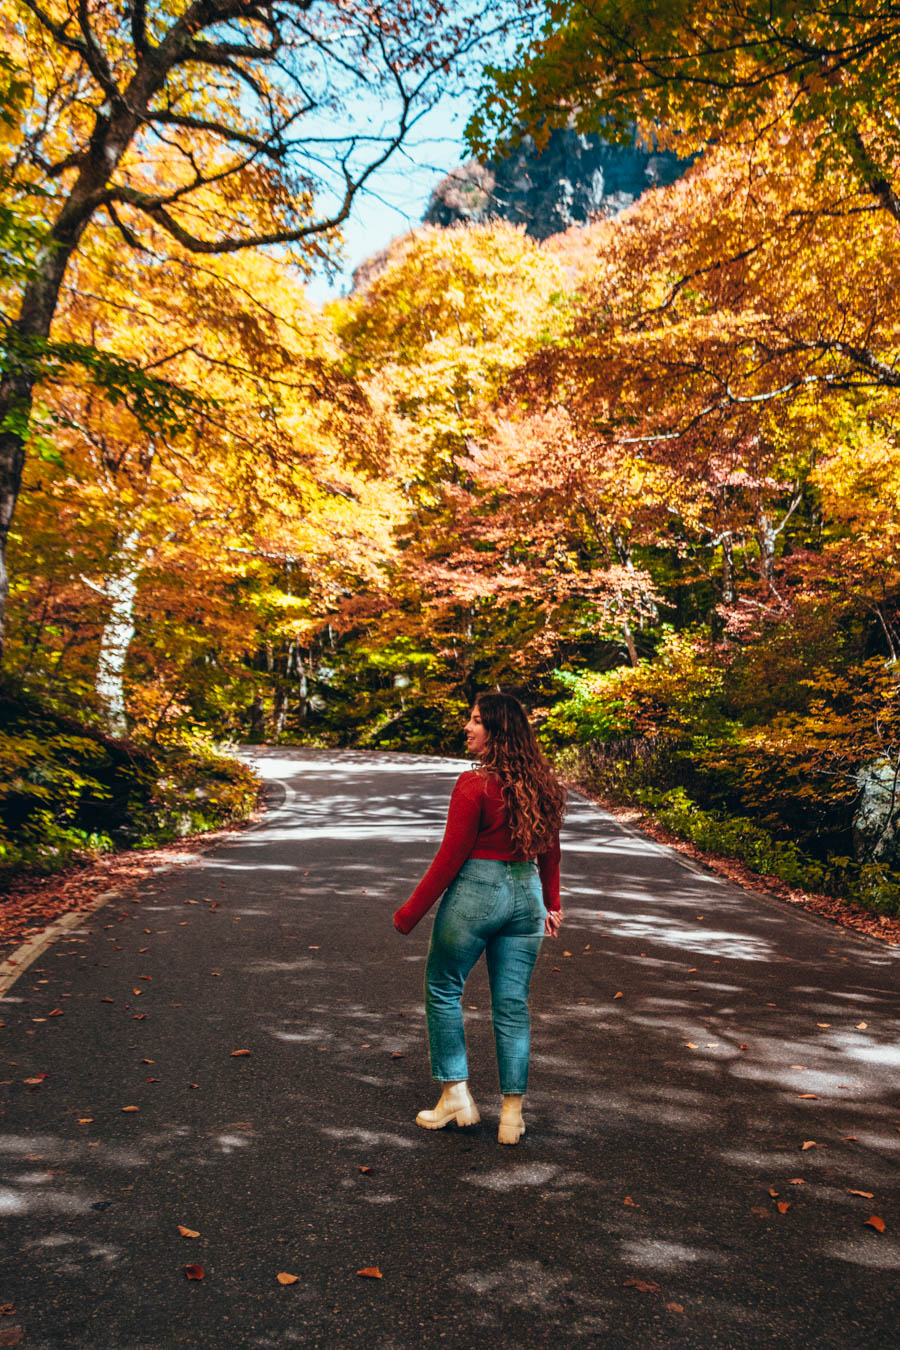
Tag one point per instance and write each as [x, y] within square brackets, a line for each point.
[689, 1039]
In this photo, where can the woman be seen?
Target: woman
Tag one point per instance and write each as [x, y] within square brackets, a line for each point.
[497, 900]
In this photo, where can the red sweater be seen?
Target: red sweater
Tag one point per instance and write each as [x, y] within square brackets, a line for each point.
[476, 828]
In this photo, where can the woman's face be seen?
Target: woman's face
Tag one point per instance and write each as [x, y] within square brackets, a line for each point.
[476, 736]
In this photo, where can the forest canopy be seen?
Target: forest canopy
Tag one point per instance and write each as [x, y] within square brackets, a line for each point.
[644, 474]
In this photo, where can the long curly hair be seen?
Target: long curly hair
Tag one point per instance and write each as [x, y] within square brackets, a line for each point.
[535, 799]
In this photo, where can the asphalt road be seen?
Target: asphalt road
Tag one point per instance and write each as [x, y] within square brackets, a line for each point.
[689, 1038]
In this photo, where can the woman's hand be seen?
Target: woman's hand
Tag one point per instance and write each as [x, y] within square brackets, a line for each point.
[551, 923]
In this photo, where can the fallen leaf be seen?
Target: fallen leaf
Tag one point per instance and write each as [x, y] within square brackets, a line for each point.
[690, 1045]
[773, 1193]
[556, 968]
[796, 1181]
[187, 1232]
[866, 1195]
[148, 1061]
[645, 1286]
[619, 995]
[823, 1024]
[57, 1012]
[397, 1054]
[364, 1167]
[38, 1078]
[674, 1307]
[106, 1000]
[802, 1096]
[239, 1052]
[11, 1335]
[131, 1108]
[138, 1017]
[808, 1143]
[567, 953]
[861, 1026]
[7, 1309]
[782, 1206]
[873, 1221]
[312, 949]
[137, 992]
[284, 1278]
[371, 1273]
[798, 1066]
[194, 1272]
[628, 1201]
[85, 1120]
[850, 1138]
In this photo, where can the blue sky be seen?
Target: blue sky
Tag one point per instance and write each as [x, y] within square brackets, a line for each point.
[395, 198]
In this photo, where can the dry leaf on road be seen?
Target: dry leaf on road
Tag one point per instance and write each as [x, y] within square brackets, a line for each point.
[239, 1052]
[194, 1272]
[187, 1232]
[371, 1273]
[873, 1221]
[284, 1278]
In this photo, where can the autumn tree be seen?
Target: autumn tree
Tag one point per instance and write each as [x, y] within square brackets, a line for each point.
[139, 553]
[255, 107]
[712, 71]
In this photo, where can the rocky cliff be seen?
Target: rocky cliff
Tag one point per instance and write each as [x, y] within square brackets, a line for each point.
[575, 178]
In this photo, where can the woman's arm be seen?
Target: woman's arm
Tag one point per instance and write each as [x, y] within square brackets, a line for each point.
[548, 866]
[463, 820]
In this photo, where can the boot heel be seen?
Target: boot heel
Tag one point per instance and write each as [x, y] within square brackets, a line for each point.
[510, 1131]
[469, 1115]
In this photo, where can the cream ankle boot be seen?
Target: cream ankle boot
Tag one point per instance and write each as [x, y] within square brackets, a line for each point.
[512, 1126]
[455, 1103]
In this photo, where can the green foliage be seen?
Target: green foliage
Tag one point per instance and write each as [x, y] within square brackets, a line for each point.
[67, 790]
[873, 886]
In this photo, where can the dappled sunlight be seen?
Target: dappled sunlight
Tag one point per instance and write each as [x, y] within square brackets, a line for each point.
[668, 1255]
[686, 1044]
[885, 1257]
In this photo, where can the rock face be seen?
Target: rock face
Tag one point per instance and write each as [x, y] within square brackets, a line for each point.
[876, 825]
[577, 177]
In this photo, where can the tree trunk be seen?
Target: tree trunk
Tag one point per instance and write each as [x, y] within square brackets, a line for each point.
[629, 642]
[766, 535]
[118, 631]
[729, 590]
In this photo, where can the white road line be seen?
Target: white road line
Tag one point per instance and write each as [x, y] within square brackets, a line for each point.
[23, 956]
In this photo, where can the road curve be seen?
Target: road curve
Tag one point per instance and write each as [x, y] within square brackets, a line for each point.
[714, 1086]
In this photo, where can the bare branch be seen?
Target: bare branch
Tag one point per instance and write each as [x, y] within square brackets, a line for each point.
[264, 144]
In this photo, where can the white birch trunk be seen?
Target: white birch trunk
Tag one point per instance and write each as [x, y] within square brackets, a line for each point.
[120, 591]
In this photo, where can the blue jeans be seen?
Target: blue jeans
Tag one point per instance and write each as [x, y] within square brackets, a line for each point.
[496, 908]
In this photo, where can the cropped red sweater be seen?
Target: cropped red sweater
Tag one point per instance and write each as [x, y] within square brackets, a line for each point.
[476, 828]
